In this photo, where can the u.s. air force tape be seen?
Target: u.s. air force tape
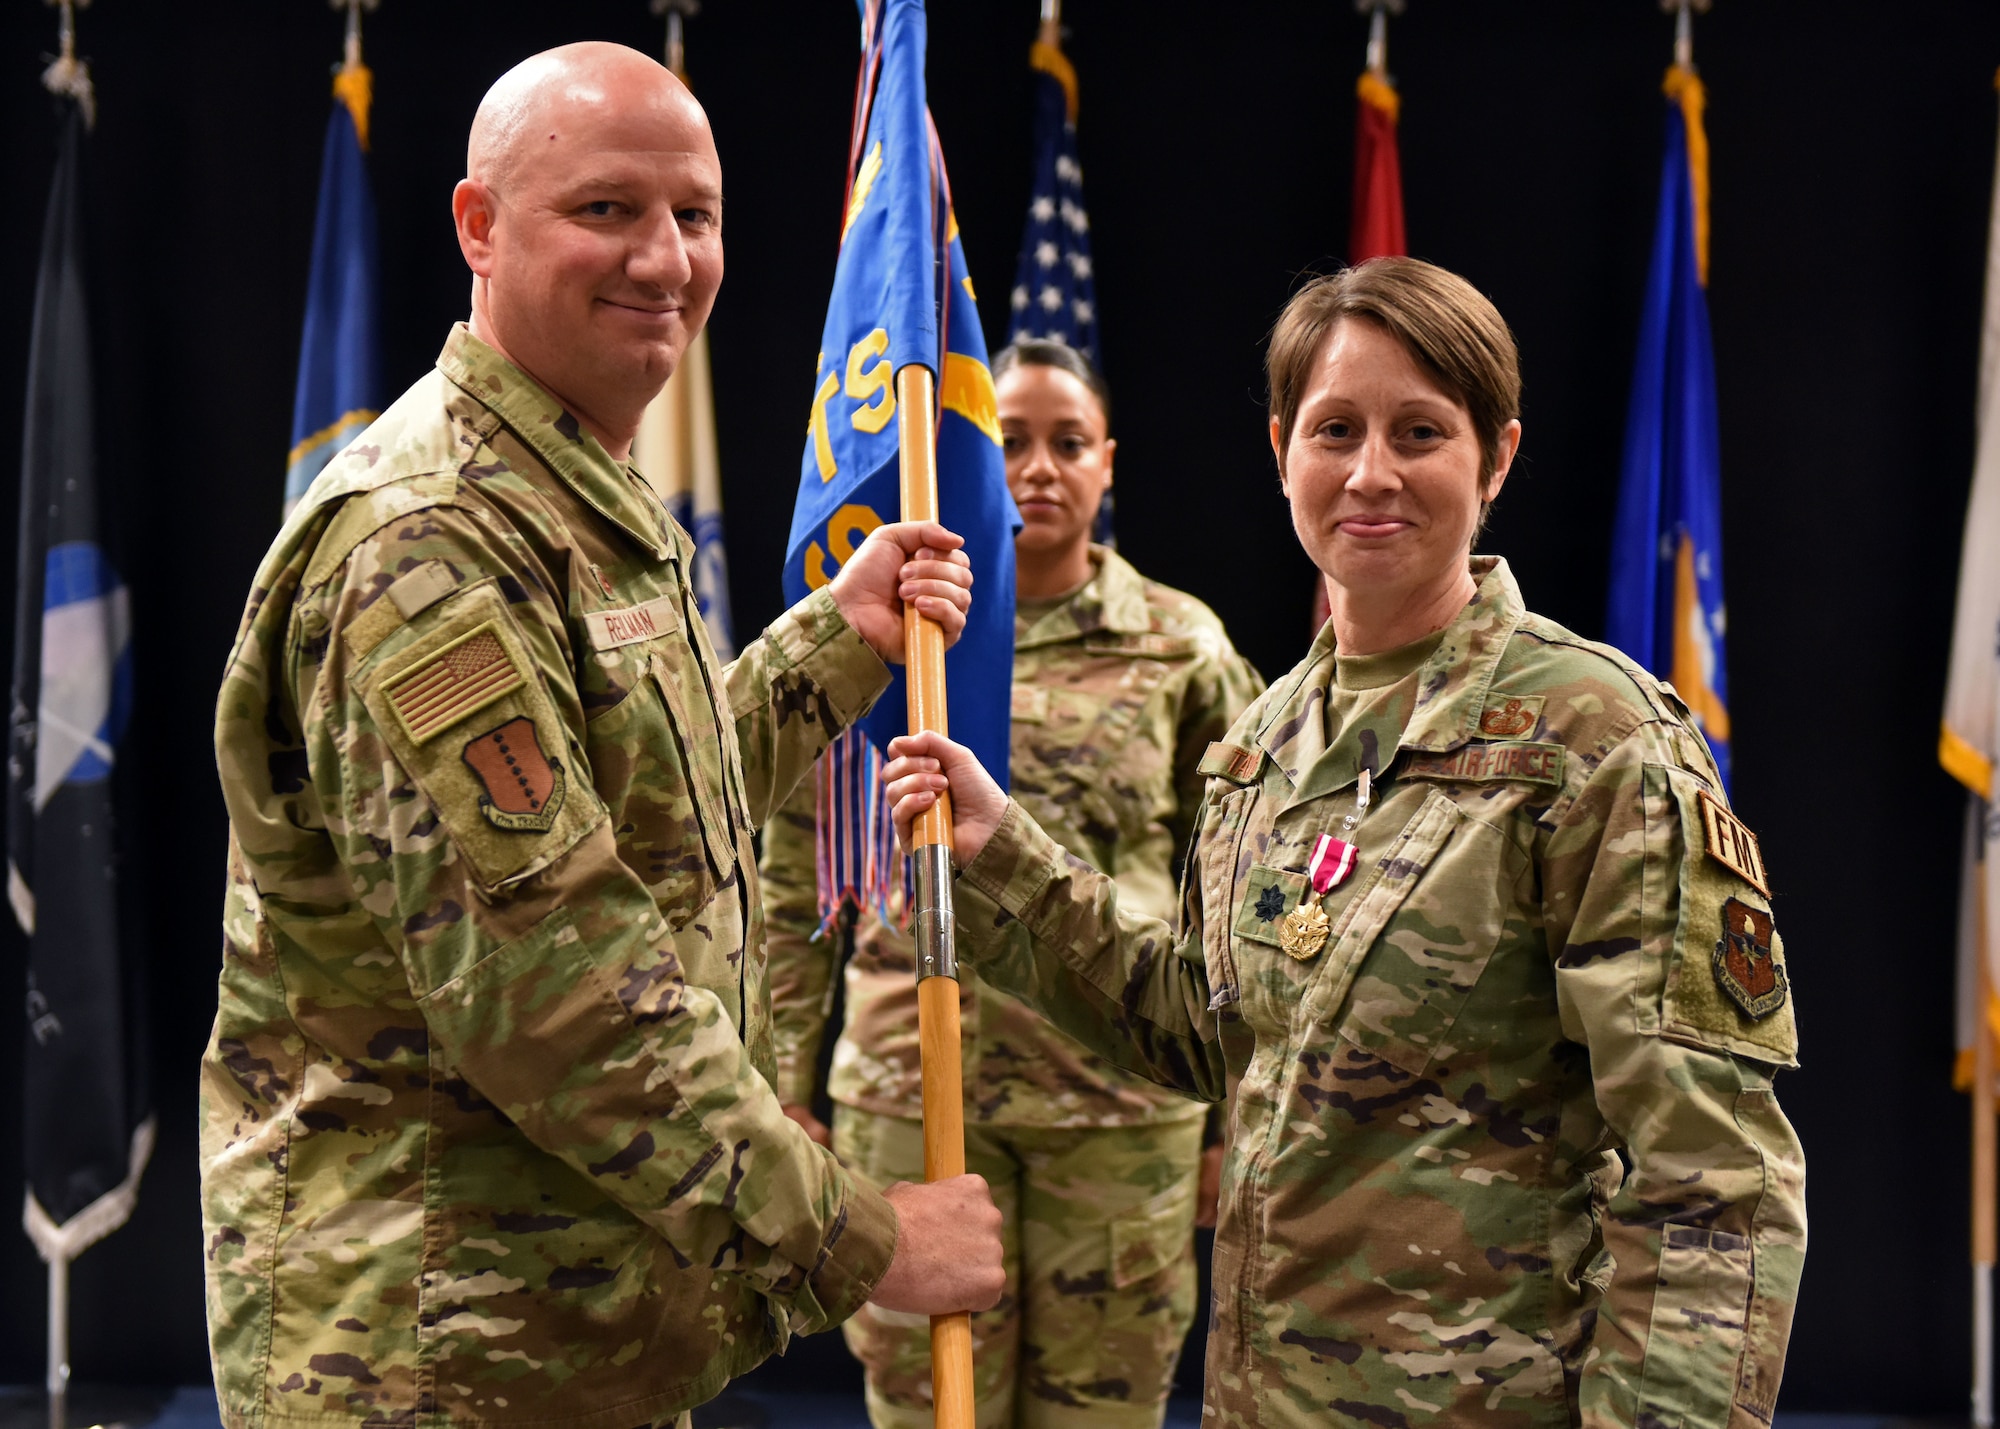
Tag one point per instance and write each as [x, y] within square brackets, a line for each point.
[1529, 761]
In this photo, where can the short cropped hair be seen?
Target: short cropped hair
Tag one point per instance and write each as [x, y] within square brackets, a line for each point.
[1446, 325]
[1047, 352]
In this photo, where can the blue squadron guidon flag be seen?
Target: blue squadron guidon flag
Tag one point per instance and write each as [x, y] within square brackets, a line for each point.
[901, 297]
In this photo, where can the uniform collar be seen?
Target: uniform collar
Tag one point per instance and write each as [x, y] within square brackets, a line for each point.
[575, 456]
[1113, 599]
[1452, 687]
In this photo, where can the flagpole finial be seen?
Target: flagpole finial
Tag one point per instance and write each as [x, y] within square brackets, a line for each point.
[352, 59]
[677, 12]
[1683, 13]
[1051, 12]
[67, 75]
[1378, 12]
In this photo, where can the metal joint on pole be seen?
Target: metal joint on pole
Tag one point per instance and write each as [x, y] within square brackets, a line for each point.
[937, 952]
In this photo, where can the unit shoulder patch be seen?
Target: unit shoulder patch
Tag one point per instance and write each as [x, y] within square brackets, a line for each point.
[1728, 983]
[1730, 843]
[1744, 967]
[459, 704]
[524, 787]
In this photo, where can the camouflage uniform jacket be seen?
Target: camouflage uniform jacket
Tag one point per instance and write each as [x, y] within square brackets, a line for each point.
[1118, 692]
[487, 1131]
[1503, 1150]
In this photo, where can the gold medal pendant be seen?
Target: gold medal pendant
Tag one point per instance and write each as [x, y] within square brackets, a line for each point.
[1303, 932]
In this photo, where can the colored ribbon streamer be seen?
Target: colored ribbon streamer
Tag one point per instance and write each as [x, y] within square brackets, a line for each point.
[1332, 860]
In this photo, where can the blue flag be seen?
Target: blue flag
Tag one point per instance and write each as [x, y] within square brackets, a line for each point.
[902, 297]
[1666, 607]
[340, 363]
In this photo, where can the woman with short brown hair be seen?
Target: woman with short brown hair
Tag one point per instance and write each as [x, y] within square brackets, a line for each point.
[1469, 940]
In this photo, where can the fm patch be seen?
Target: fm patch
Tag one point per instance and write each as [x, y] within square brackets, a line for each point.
[1744, 968]
[1730, 843]
[1511, 716]
[524, 787]
[460, 680]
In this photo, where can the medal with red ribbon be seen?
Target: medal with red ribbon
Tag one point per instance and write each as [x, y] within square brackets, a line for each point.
[1304, 930]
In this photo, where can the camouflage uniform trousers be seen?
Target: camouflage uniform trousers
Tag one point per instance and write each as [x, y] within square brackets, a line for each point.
[1099, 1244]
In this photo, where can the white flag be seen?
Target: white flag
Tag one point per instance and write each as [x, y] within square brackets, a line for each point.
[1970, 742]
[675, 452]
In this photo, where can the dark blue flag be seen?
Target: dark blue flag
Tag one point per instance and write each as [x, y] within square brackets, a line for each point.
[340, 365]
[88, 1132]
[902, 297]
[1666, 607]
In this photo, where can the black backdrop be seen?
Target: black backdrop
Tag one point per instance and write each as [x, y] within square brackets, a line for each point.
[1853, 157]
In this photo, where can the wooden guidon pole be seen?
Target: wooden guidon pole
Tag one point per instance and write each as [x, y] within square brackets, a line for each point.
[937, 959]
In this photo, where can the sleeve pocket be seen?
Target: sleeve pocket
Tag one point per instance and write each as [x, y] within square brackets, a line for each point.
[1696, 1337]
[463, 709]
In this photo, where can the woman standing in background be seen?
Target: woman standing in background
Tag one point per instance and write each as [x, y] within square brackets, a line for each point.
[1120, 684]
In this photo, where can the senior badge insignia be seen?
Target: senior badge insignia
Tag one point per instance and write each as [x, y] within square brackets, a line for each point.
[1744, 967]
[1512, 717]
[524, 787]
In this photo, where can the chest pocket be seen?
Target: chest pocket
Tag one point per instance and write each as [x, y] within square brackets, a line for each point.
[1409, 942]
[659, 770]
[1085, 737]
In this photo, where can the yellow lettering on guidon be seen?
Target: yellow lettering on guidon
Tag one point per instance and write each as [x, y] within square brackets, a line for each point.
[822, 438]
[846, 531]
[865, 384]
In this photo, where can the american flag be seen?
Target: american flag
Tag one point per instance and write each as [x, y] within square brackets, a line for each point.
[1055, 288]
[1055, 292]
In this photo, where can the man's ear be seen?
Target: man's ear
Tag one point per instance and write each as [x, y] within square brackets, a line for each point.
[472, 212]
[1278, 455]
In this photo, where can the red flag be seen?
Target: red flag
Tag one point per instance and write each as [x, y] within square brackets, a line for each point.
[1377, 228]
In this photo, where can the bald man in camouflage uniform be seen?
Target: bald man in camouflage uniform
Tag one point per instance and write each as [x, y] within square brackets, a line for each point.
[488, 1136]
[1503, 1149]
[1118, 690]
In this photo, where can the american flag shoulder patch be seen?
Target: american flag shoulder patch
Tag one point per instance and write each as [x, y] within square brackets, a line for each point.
[450, 683]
